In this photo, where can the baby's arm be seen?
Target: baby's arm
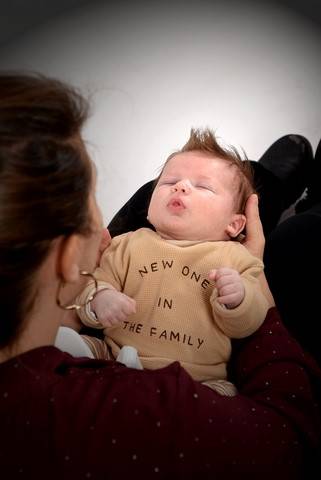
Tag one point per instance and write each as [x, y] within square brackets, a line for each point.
[230, 286]
[109, 306]
[112, 307]
[245, 317]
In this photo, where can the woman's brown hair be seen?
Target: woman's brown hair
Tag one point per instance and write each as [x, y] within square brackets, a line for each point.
[45, 180]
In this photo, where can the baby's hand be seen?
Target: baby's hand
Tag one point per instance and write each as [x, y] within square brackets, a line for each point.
[229, 285]
[112, 307]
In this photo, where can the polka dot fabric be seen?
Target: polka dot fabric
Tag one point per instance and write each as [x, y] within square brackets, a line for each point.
[67, 418]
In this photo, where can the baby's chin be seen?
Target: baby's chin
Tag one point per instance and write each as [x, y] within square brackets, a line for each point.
[170, 234]
[179, 229]
[180, 234]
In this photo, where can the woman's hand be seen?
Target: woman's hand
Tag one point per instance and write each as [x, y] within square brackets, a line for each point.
[254, 239]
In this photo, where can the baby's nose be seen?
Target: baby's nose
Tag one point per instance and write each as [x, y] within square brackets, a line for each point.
[182, 186]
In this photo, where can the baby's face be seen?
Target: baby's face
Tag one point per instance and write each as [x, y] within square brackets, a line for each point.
[194, 198]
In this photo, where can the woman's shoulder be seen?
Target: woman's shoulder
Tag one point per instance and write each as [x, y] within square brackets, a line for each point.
[156, 421]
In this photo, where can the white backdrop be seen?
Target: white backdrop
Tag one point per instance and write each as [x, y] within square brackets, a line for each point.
[250, 70]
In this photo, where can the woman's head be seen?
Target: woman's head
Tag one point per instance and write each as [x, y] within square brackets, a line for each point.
[45, 183]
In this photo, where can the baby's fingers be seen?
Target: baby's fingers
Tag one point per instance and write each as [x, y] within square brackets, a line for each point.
[212, 274]
[233, 299]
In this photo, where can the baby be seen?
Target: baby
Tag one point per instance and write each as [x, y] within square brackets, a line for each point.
[184, 290]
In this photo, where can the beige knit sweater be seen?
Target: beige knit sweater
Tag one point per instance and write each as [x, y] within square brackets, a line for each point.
[177, 315]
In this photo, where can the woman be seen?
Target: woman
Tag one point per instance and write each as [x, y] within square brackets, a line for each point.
[63, 417]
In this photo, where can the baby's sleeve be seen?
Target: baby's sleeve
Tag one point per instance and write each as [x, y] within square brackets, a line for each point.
[245, 319]
[109, 275]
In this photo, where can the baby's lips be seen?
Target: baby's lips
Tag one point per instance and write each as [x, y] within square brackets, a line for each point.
[176, 203]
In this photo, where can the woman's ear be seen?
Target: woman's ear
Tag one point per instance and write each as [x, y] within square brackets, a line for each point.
[69, 258]
[236, 226]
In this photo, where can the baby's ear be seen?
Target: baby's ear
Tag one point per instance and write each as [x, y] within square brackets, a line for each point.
[236, 225]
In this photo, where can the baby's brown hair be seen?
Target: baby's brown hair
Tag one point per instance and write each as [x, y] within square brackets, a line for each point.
[205, 141]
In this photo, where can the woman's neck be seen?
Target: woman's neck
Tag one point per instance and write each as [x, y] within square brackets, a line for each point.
[39, 330]
[40, 326]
